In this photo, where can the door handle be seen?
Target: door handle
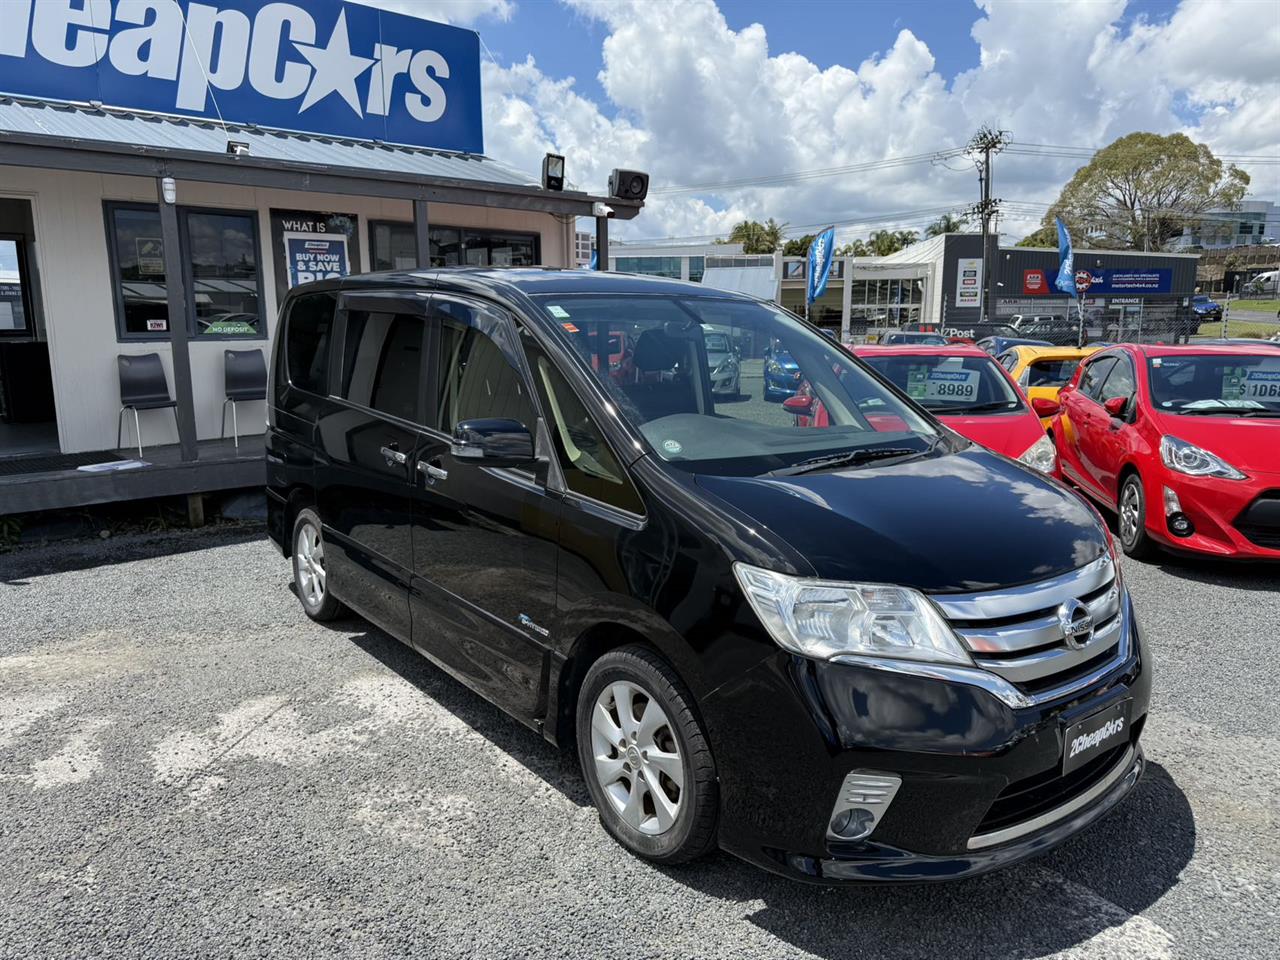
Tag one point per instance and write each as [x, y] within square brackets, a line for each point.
[393, 457]
[433, 472]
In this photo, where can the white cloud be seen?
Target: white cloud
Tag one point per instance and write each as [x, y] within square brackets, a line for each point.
[462, 13]
[693, 101]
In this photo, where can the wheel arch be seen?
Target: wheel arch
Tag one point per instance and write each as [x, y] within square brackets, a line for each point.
[296, 498]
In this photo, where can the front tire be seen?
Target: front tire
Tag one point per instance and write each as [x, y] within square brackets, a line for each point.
[1134, 539]
[310, 575]
[645, 757]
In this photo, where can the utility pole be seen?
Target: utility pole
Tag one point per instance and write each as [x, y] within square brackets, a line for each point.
[985, 144]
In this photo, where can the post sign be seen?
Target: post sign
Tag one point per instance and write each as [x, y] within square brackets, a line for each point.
[969, 282]
[319, 66]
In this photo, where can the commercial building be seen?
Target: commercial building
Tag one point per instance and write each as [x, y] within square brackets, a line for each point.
[1255, 222]
[149, 207]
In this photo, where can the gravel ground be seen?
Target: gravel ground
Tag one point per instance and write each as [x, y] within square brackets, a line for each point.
[189, 767]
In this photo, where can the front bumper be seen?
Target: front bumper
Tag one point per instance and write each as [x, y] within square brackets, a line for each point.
[783, 384]
[787, 732]
[1224, 513]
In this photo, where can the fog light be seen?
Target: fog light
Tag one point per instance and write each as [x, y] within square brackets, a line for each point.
[1172, 504]
[1180, 525]
[863, 799]
[853, 824]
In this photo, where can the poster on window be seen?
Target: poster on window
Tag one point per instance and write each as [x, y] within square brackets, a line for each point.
[311, 245]
[315, 256]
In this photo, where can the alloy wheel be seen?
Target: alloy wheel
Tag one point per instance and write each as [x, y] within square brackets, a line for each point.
[1130, 513]
[311, 574]
[637, 758]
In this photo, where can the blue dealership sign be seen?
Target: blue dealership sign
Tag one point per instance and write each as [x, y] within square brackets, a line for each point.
[820, 250]
[323, 66]
[1126, 281]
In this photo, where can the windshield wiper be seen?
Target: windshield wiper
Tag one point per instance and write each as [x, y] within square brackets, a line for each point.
[975, 407]
[849, 458]
[1228, 412]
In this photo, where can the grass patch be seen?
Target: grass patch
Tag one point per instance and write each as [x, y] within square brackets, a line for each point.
[1256, 306]
[1239, 328]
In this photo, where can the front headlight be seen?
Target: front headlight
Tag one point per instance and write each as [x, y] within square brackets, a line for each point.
[824, 619]
[1042, 455]
[1195, 462]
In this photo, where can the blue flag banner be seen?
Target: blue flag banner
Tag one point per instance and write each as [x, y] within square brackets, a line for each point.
[820, 263]
[315, 66]
[1066, 281]
[595, 261]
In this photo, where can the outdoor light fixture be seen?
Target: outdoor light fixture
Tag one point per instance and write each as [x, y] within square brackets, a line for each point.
[237, 148]
[552, 172]
[169, 190]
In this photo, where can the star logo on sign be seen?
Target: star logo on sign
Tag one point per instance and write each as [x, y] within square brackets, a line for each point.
[336, 68]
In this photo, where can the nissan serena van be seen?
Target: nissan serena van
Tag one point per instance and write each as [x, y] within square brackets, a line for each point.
[869, 650]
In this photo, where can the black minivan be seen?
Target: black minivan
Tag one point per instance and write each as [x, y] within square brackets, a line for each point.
[867, 650]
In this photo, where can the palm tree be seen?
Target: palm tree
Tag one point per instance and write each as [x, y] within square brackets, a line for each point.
[854, 248]
[906, 238]
[883, 243]
[947, 223]
[771, 234]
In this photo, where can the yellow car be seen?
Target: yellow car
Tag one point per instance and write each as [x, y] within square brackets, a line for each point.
[1042, 371]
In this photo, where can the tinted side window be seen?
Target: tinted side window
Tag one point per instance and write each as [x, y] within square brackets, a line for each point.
[1120, 383]
[382, 363]
[589, 466]
[1094, 374]
[475, 379]
[308, 329]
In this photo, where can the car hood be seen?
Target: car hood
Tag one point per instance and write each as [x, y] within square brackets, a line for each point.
[1252, 444]
[1007, 433]
[955, 522]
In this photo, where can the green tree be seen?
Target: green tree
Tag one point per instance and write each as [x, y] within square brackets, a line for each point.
[884, 242]
[854, 248]
[1044, 237]
[947, 223]
[757, 237]
[798, 247]
[1140, 191]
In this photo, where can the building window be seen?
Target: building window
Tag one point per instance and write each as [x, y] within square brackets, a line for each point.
[393, 246]
[13, 286]
[697, 266]
[220, 256]
[649, 266]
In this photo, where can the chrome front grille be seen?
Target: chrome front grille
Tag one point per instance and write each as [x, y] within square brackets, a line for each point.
[1019, 634]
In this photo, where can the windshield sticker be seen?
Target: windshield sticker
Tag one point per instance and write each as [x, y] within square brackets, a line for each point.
[672, 447]
[1261, 385]
[924, 383]
[557, 311]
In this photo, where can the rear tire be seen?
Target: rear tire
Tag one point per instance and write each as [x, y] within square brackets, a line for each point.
[310, 575]
[645, 757]
[1134, 539]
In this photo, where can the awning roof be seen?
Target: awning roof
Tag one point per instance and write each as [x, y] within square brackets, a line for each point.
[107, 140]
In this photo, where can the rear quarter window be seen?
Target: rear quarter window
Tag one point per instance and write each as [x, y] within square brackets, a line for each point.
[308, 330]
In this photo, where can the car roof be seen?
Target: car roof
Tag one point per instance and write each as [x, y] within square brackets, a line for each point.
[920, 349]
[533, 281]
[1191, 349]
[1054, 353]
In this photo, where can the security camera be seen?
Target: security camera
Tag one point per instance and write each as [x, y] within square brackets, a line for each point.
[599, 209]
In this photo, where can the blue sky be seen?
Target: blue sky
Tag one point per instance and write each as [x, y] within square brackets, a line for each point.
[712, 91]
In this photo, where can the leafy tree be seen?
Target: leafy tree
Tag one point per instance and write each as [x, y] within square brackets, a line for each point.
[1044, 237]
[1140, 191]
[947, 223]
[854, 248]
[798, 247]
[884, 242]
[757, 237]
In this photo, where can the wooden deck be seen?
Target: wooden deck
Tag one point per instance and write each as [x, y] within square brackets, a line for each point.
[221, 466]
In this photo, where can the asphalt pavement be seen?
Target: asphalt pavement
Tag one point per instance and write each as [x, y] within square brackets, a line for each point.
[190, 767]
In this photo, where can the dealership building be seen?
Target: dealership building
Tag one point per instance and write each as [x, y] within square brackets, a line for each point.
[148, 207]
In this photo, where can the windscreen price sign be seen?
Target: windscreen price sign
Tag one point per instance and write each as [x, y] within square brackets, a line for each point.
[315, 256]
[946, 385]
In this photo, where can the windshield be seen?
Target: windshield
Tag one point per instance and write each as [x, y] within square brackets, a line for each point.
[1205, 384]
[662, 384]
[950, 384]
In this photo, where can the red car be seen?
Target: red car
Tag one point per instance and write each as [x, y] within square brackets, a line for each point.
[972, 394]
[1183, 442]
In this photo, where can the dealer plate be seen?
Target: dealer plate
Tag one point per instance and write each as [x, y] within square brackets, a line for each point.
[1095, 734]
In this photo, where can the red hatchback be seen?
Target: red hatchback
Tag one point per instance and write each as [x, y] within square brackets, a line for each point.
[972, 394]
[1182, 442]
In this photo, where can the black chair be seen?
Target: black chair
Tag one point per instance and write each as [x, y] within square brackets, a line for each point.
[246, 379]
[143, 386]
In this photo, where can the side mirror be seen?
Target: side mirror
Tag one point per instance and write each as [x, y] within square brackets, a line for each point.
[800, 406]
[1045, 407]
[1115, 406]
[493, 443]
